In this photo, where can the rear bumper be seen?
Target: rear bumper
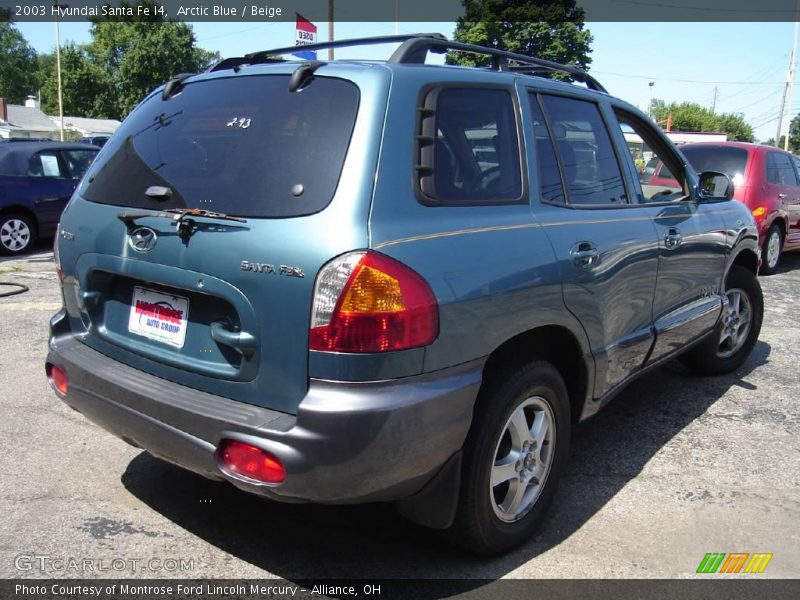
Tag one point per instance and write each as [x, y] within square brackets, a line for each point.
[348, 443]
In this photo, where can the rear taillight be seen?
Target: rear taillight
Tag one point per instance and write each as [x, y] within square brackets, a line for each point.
[58, 379]
[238, 458]
[368, 302]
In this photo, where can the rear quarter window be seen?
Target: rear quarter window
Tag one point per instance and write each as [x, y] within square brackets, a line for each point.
[243, 146]
[468, 147]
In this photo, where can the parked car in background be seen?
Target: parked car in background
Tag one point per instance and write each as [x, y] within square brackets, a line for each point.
[96, 140]
[766, 180]
[36, 181]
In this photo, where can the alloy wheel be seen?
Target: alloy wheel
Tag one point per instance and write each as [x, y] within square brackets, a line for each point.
[522, 459]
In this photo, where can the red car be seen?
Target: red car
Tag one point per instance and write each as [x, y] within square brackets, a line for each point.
[766, 180]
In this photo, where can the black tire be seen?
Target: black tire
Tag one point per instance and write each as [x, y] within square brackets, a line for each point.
[717, 355]
[477, 527]
[17, 234]
[771, 259]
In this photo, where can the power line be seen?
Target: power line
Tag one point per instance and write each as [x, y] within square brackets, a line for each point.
[651, 78]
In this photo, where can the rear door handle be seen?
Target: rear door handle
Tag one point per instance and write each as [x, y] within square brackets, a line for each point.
[584, 254]
[241, 341]
[673, 239]
[782, 196]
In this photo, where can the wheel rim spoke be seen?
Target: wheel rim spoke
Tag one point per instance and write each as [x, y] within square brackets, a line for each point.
[505, 469]
[540, 427]
[516, 492]
[518, 428]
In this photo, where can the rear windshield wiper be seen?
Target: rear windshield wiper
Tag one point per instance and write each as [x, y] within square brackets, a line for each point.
[181, 216]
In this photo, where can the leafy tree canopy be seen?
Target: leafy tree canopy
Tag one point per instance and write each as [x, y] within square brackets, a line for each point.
[108, 76]
[549, 29]
[17, 65]
[690, 116]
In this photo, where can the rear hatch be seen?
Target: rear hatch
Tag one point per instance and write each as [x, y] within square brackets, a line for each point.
[219, 302]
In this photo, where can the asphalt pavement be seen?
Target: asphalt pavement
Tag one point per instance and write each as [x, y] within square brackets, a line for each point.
[677, 466]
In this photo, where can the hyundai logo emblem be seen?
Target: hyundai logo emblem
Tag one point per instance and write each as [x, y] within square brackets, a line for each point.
[142, 239]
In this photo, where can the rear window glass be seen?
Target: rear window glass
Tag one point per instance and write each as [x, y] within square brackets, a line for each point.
[724, 159]
[242, 146]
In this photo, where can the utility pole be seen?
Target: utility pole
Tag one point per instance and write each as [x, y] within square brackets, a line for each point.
[787, 88]
[58, 72]
[790, 84]
[714, 103]
[330, 28]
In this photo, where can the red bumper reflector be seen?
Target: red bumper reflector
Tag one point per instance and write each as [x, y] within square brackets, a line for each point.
[58, 379]
[238, 458]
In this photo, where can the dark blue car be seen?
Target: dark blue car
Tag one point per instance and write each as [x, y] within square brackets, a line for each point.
[36, 181]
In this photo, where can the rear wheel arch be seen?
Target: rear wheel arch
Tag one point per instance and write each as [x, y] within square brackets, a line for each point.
[554, 344]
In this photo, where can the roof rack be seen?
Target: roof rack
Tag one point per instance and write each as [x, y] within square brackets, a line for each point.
[367, 41]
[414, 49]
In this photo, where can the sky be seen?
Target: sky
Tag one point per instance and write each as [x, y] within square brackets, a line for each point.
[741, 65]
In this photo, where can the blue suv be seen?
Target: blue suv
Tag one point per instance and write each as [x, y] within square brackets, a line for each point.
[357, 281]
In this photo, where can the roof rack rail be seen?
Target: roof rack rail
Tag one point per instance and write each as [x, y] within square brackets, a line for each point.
[367, 41]
[415, 50]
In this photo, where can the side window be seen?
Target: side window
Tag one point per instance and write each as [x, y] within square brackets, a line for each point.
[588, 162]
[469, 147]
[780, 169]
[665, 173]
[796, 163]
[44, 164]
[657, 180]
[550, 185]
[78, 161]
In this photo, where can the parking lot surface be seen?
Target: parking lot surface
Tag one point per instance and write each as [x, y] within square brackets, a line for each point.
[675, 467]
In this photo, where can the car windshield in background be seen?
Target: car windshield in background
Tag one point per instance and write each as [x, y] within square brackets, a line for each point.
[242, 146]
[724, 159]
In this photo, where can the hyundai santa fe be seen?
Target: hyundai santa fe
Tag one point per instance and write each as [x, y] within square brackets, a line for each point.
[358, 281]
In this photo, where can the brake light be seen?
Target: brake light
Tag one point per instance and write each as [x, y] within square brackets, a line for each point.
[759, 212]
[58, 379]
[238, 458]
[368, 302]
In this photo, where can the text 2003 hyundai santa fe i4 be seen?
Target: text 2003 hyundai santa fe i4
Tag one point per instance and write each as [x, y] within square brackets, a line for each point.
[361, 281]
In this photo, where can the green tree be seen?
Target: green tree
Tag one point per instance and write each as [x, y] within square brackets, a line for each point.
[736, 127]
[140, 54]
[549, 29]
[794, 135]
[84, 84]
[690, 116]
[17, 65]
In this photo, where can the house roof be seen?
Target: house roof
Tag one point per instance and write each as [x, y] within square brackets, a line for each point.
[29, 119]
[86, 125]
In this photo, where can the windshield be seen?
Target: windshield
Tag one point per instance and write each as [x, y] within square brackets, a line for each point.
[241, 146]
[724, 159]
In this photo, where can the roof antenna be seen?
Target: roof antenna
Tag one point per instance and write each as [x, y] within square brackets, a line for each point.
[303, 75]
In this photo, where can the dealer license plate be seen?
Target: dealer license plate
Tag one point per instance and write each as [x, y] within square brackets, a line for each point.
[160, 317]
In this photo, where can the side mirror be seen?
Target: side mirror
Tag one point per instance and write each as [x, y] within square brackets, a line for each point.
[714, 186]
